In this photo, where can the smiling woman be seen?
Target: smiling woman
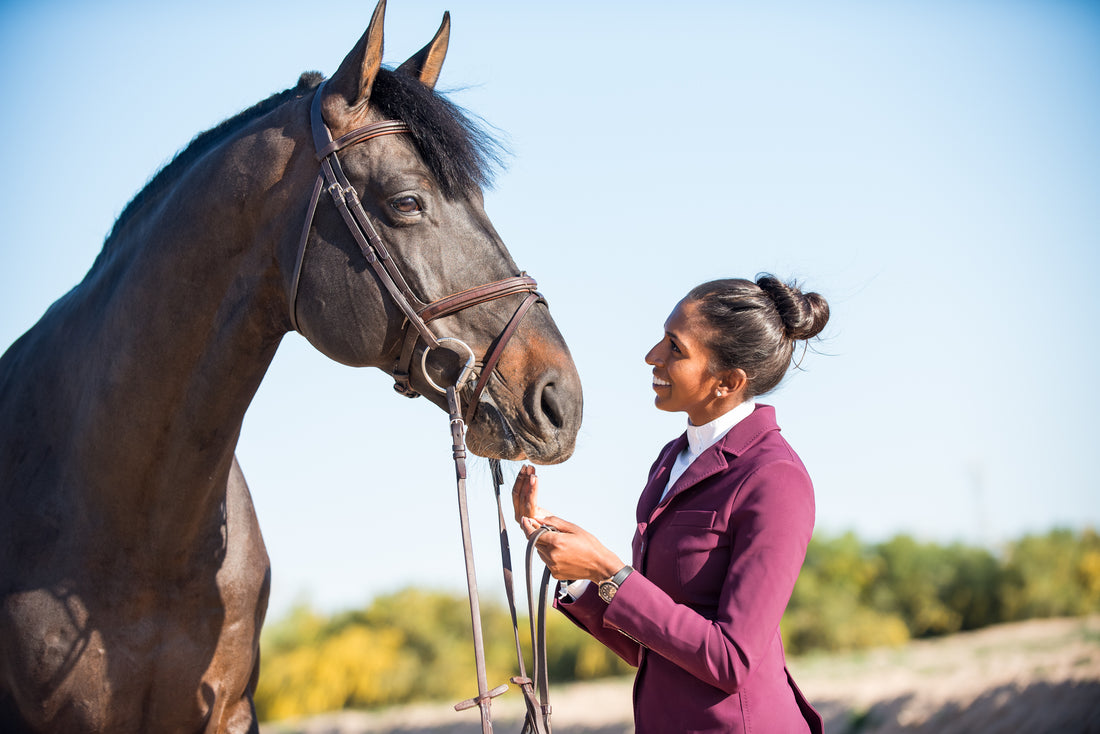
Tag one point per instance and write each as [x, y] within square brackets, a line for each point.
[723, 524]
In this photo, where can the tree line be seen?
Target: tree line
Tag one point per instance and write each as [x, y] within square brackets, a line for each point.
[416, 644]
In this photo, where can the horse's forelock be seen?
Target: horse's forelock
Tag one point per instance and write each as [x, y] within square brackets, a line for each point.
[461, 154]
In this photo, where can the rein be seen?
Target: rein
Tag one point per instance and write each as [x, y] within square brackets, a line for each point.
[417, 316]
[417, 313]
[537, 720]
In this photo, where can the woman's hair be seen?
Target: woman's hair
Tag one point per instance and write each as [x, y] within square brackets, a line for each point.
[753, 326]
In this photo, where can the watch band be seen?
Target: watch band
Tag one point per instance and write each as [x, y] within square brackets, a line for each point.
[621, 575]
[609, 587]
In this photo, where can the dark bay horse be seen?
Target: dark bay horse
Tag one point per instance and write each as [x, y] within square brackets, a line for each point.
[133, 576]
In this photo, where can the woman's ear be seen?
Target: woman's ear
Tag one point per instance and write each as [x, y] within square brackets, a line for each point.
[734, 382]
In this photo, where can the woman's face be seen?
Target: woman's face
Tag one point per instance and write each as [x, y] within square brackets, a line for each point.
[681, 367]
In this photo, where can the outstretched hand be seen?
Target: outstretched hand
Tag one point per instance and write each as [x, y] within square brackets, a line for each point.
[525, 495]
[572, 552]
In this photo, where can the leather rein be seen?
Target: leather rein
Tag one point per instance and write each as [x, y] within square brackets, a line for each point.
[417, 313]
[417, 316]
[537, 719]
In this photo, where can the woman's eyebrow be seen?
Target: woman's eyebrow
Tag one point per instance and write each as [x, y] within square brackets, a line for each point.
[676, 338]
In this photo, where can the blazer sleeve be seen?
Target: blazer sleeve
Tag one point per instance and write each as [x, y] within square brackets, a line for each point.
[587, 612]
[771, 525]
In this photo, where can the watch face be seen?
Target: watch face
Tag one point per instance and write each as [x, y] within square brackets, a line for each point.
[607, 591]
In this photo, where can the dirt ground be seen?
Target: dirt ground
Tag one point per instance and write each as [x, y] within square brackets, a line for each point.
[1041, 676]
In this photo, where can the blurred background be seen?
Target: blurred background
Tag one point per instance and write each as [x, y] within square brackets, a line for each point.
[932, 168]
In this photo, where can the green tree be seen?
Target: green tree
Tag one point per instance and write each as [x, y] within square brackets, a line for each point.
[1052, 575]
[829, 609]
[913, 585]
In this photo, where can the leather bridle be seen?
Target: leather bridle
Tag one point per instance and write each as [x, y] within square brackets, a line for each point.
[417, 316]
[417, 313]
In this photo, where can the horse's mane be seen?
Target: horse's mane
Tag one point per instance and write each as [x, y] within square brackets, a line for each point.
[204, 142]
[458, 151]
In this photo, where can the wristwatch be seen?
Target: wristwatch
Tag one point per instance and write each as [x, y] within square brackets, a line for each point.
[609, 587]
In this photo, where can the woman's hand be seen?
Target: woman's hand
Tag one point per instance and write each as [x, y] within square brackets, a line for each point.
[525, 495]
[572, 553]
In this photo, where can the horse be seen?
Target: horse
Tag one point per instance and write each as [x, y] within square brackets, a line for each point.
[133, 575]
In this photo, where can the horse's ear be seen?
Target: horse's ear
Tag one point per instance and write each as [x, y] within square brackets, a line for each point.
[355, 77]
[426, 63]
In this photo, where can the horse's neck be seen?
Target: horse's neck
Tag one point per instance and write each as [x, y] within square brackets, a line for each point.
[162, 348]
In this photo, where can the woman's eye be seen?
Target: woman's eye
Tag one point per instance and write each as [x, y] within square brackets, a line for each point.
[406, 205]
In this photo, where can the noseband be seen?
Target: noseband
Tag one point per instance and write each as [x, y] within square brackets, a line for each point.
[417, 313]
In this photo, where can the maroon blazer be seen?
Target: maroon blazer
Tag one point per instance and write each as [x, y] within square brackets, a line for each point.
[715, 564]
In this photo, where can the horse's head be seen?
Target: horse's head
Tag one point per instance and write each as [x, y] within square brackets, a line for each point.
[419, 184]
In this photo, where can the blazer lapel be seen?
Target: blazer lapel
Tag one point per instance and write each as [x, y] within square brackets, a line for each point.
[651, 495]
[707, 464]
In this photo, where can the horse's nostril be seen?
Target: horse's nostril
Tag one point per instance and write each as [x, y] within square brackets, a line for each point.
[550, 405]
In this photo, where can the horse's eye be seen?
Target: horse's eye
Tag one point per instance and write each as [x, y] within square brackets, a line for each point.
[406, 205]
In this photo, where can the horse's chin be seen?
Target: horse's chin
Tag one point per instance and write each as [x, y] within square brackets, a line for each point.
[493, 436]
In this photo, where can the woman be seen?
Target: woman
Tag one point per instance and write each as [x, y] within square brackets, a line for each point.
[723, 524]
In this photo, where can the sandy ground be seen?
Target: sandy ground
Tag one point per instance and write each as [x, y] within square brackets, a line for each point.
[1037, 677]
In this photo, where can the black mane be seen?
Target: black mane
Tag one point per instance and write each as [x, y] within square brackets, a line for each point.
[460, 154]
[204, 142]
[458, 151]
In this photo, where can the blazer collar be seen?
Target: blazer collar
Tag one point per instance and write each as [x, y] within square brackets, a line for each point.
[712, 461]
[748, 432]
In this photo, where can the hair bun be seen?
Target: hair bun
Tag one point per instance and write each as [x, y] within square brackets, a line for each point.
[804, 315]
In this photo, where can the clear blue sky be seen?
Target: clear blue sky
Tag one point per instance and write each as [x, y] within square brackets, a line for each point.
[933, 168]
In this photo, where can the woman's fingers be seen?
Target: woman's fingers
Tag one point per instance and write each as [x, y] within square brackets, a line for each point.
[560, 525]
[525, 492]
[569, 553]
[529, 525]
[572, 552]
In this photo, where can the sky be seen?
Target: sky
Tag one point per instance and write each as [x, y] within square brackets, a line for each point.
[932, 168]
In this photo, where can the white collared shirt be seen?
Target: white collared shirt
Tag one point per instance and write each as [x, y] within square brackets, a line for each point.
[701, 438]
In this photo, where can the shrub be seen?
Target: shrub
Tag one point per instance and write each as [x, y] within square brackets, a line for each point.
[417, 645]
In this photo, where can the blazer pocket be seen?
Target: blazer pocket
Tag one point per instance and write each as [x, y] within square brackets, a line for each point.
[703, 519]
[702, 556]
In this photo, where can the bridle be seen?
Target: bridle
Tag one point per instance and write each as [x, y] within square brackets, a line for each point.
[417, 313]
[417, 316]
